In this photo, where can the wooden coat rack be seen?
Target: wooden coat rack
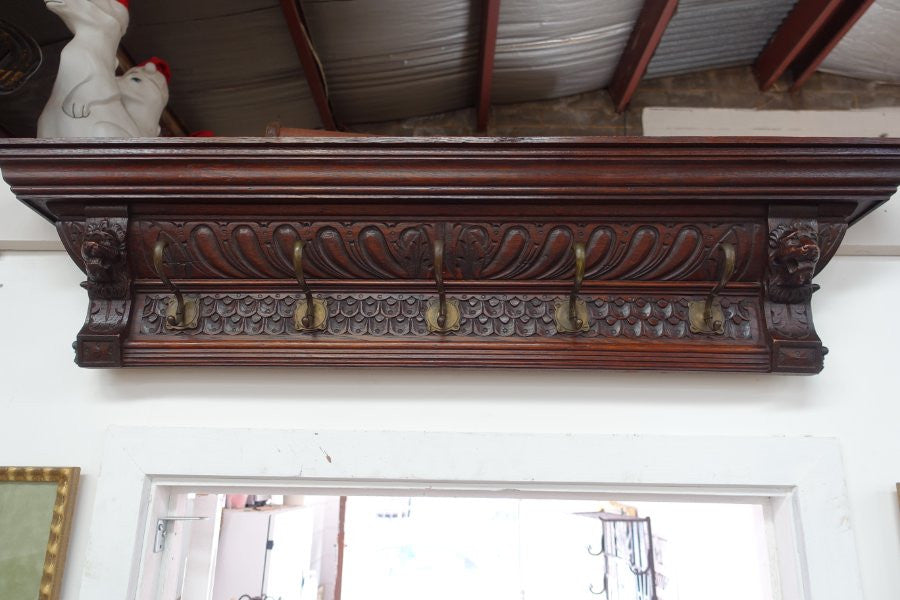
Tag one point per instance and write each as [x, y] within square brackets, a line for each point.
[620, 253]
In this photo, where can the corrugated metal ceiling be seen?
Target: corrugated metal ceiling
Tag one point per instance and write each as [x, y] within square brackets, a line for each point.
[392, 59]
[708, 34]
[388, 60]
[871, 49]
[552, 49]
[235, 66]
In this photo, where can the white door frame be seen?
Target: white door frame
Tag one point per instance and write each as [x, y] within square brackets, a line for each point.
[799, 480]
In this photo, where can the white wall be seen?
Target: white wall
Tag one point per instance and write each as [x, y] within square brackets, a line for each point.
[53, 413]
[23, 229]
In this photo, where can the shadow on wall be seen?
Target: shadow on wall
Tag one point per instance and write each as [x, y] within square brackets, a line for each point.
[458, 385]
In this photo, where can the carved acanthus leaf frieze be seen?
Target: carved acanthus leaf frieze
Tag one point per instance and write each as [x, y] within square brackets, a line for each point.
[474, 251]
[402, 315]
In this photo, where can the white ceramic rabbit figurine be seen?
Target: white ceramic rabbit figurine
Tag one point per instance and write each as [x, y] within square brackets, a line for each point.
[88, 100]
[145, 93]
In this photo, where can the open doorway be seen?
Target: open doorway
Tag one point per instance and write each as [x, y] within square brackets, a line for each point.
[374, 547]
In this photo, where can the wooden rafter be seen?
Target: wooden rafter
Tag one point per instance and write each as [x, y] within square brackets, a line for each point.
[312, 69]
[488, 46]
[805, 21]
[645, 37]
[168, 120]
[821, 45]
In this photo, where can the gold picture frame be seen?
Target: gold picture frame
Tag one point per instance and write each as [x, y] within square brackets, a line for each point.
[59, 524]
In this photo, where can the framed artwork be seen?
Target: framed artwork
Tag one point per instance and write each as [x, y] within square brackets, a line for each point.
[36, 507]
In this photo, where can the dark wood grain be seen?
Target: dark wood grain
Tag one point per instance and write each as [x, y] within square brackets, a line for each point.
[651, 213]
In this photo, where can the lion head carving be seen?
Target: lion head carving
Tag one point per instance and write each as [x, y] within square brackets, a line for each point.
[793, 255]
[103, 252]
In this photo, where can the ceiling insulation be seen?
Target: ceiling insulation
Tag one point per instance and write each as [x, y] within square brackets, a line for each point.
[709, 34]
[234, 66]
[389, 60]
[552, 49]
[393, 59]
[870, 50]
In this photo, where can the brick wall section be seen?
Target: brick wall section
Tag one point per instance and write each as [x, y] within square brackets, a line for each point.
[592, 113]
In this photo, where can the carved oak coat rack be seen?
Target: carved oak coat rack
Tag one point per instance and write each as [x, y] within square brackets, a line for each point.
[625, 253]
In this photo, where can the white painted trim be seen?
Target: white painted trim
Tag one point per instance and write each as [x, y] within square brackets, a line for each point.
[705, 121]
[803, 478]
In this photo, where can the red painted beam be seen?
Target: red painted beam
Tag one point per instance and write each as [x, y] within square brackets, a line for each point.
[799, 28]
[821, 45]
[489, 25]
[314, 76]
[645, 37]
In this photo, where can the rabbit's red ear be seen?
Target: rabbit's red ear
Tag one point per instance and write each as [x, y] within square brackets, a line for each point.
[161, 66]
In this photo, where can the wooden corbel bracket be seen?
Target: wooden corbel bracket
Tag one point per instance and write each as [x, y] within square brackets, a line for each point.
[100, 248]
[620, 253]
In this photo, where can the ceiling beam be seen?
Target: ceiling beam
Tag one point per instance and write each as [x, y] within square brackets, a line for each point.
[489, 24]
[168, 120]
[645, 37]
[821, 45]
[312, 68]
[802, 24]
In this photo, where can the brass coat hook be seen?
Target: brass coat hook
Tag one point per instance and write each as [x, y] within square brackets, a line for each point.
[311, 314]
[603, 591]
[572, 315]
[183, 313]
[441, 315]
[707, 316]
